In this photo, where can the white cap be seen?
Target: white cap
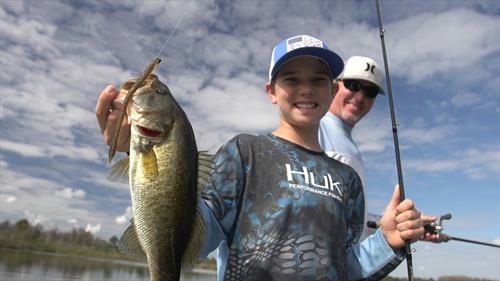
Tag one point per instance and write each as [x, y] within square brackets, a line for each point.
[364, 68]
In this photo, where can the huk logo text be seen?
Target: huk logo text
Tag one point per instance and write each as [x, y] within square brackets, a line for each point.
[326, 186]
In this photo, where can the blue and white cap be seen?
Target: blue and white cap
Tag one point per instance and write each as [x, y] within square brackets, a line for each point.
[304, 45]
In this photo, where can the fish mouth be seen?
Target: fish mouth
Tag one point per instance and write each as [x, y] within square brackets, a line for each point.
[149, 132]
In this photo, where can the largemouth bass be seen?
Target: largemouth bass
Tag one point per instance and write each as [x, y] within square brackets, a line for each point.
[163, 170]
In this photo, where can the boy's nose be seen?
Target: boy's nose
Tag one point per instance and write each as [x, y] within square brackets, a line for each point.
[306, 89]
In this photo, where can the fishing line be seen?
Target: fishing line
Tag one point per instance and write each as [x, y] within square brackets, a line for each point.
[149, 69]
[172, 32]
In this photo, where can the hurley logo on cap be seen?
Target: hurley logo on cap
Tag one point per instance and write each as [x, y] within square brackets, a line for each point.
[370, 68]
[303, 41]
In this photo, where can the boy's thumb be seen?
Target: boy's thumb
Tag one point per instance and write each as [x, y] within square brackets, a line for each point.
[395, 199]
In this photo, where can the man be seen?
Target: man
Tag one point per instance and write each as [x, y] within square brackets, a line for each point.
[358, 85]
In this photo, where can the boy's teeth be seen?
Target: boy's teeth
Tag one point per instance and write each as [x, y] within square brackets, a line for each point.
[305, 105]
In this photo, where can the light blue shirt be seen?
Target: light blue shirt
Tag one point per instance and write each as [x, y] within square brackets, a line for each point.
[336, 140]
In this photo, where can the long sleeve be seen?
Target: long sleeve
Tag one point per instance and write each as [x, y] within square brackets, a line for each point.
[373, 258]
[371, 255]
[220, 202]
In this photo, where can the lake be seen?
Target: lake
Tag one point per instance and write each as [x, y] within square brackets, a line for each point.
[16, 265]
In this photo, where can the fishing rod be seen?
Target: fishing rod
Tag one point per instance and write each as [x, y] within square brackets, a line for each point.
[409, 259]
[437, 228]
[434, 228]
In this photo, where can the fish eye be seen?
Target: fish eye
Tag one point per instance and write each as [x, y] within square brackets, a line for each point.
[161, 89]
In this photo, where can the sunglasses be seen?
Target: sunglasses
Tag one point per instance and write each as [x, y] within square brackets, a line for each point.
[354, 86]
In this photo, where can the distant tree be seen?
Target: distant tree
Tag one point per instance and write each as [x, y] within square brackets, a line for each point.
[114, 241]
[460, 278]
[23, 225]
[4, 225]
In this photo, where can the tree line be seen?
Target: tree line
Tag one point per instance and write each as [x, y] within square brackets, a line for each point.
[443, 278]
[24, 236]
[21, 235]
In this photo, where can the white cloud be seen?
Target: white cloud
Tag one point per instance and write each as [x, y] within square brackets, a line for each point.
[35, 219]
[477, 164]
[94, 229]
[7, 198]
[69, 193]
[465, 99]
[373, 134]
[124, 218]
[430, 43]
[230, 106]
[421, 136]
[14, 6]
[121, 219]
[22, 148]
[481, 163]
[40, 151]
[28, 31]
[433, 165]
[195, 13]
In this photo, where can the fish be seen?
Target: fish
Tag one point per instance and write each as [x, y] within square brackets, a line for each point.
[166, 173]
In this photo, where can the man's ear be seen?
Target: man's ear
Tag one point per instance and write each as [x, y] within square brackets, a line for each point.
[270, 89]
[335, 88]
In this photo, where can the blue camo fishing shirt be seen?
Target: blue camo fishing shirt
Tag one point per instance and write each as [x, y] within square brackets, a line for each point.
[282, 211]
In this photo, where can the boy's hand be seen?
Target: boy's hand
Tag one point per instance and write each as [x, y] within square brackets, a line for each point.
[107, 111]
[401, 222]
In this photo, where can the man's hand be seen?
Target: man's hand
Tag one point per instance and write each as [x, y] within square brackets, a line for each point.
[430, 237]
[108, 110]
[401, 222]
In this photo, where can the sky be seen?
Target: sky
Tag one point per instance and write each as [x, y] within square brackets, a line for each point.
[444, 65]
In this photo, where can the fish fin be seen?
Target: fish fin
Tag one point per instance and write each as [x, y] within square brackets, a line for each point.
[205, 168]
[149, 163]
[119, 171]
[197, 238]
[195, 243]
[129, 243]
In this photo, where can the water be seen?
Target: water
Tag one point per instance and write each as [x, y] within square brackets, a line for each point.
[37, 266]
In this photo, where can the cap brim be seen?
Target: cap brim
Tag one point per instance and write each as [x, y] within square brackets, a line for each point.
[334, 61]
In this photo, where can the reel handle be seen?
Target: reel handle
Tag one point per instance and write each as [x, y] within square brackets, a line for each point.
[434, 227]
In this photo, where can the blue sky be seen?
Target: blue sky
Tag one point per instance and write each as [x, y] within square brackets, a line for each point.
[444, 60]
